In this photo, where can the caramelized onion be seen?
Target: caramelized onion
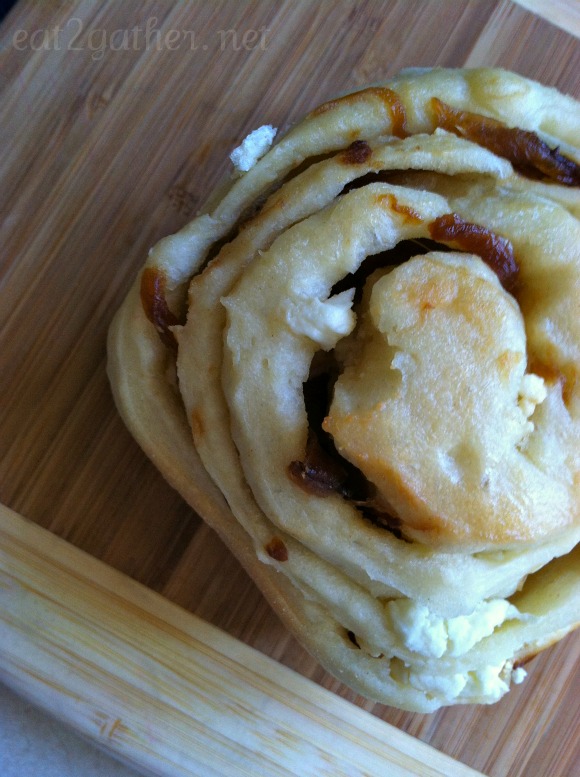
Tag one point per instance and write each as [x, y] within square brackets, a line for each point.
[528, 154]
[276, 549]
[496, 251]
[155, 305]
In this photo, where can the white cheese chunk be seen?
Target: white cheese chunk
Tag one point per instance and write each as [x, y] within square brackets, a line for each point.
[532, 392]
[430, 635]
[326, 321]
[489, 683]
[519, 675]
[252, 148]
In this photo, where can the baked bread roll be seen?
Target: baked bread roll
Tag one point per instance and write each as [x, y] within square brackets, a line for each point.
[358, 364]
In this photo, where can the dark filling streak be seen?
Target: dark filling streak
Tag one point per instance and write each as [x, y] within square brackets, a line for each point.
[277, 550]
[357, 153]
[323, 471]
[154, 303]
[375, 176]
[382, 519]
[496, 251]
[526, 151]
[401, 253]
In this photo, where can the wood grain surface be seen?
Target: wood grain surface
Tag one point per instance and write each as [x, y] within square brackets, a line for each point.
[116, 120]
[166, 691]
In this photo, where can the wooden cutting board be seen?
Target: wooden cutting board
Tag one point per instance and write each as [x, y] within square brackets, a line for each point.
[116, 120]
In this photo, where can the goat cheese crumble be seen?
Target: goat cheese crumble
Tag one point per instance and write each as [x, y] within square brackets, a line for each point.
[326, 321]
[253, 148]
[426, 633]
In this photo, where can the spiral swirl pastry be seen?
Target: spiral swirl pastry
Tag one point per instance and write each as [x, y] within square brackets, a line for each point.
[359, 364]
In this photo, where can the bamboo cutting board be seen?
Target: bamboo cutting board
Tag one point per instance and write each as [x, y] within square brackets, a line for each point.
[117, 119]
